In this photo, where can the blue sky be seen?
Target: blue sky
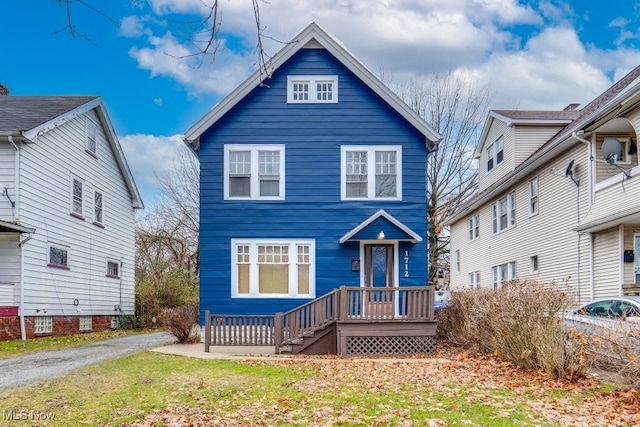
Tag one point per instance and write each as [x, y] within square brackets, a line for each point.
[531, 54]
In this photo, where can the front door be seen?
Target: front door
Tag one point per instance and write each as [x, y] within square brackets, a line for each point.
[379, 274]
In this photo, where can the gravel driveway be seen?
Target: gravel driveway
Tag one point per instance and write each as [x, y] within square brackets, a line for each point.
[37, 367]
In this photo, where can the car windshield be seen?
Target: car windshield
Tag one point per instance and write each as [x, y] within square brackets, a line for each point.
[610, 308]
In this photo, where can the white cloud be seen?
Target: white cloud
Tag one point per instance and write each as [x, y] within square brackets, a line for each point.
[151, 157]
[131, 26]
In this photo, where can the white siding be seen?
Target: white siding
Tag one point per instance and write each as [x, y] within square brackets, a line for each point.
[7, 177]
[607, 263]
[46, 169]
[9, 268]
[548, 234]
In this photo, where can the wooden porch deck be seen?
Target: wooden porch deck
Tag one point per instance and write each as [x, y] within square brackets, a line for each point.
[347, 321]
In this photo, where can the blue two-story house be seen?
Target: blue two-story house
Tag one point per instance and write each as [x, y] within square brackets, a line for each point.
[312, 177]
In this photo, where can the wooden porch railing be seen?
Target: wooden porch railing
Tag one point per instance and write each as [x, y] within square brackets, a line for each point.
[631, 289]
[352, 304]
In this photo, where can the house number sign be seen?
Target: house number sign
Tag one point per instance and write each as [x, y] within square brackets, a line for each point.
[406, 264]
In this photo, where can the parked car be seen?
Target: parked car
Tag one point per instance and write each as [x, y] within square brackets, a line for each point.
[442, 300]
[615, 313]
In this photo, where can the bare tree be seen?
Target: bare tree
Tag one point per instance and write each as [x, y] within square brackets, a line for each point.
[201, 34]
[167, 251]
[456, 109]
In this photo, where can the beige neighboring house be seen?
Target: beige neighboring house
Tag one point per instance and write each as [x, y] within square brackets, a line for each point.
[551, 205]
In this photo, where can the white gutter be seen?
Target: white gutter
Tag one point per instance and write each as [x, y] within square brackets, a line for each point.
[16, 217]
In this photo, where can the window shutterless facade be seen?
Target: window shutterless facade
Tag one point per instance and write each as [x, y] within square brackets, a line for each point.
[474, 227]
[273, 268]
[91, 137]
[113, 268]
[533, 196]
[58, 256]
[457, 260]
[85, 323]
[77, 196]
[254, 172]
[474, 279]
[43, 325]
[504, 213]
[503, 273]
[97, 207]
[371, 172]
[495, 153]
[312, 89]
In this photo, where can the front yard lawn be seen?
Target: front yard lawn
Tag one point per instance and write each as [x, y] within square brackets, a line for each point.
[151, 389]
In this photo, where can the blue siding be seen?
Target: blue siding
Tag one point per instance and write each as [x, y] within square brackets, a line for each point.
[312, 134]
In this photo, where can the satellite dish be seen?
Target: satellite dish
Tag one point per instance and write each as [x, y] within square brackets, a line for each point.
[612, 150]
[569, 173]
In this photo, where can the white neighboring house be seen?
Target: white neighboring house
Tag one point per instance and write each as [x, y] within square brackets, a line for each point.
[550, 206]
[67, 205]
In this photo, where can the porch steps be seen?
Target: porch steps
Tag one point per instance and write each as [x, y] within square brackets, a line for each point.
[320, 341]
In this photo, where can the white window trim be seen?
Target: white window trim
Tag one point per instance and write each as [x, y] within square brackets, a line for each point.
[61, 247]
[533, 260]
[90, 128]
[497, 273]
[255, 179]
[115, 261]
[371, 171]
[95, 219]
[532, 211]
[474, 279]
[495, 214]
[492, 153]
[457, 261]
[474, 227]
[43, 325]
[71, 195]
[253, 267]
[312, 80]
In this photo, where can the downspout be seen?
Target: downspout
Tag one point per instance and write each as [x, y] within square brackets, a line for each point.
[16, 217]
[577, 135]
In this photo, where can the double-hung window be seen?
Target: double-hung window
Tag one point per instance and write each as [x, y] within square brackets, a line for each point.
[503, 273]
[91, 137]
[312, 89]
[474, 227]
[474, 279]
[495, 153]
[533, 196]
[77, 197]
[504, 213]
[113, 268]
[254, 172]
[371, 172]
[273, 268]
[457, 260]
[98, 215]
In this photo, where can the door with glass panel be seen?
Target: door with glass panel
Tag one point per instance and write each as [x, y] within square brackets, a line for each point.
[379, 276]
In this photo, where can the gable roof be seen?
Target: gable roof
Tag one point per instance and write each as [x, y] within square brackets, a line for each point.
[612, 103]
[312, 33]
[363, 231]
[27, 117]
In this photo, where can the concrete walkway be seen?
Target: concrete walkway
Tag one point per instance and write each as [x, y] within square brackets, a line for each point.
[219, 352]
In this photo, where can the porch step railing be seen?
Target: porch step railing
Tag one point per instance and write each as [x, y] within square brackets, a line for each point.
[346, 304]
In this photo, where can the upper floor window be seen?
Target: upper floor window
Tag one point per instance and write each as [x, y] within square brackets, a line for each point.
[97, 207]
[312, 89]
[533, 196]
[254, 172]
[495, 153]
[457, 260]
[371, 172]
[91, 137]
[76, 196]
[474, 227]
[273, 268]
[504, 213]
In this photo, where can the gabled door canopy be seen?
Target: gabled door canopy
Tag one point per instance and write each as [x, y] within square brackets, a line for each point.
[370, 229]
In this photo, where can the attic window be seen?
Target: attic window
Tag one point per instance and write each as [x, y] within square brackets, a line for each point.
[312, 89]
[495, 153]
[91, 137]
